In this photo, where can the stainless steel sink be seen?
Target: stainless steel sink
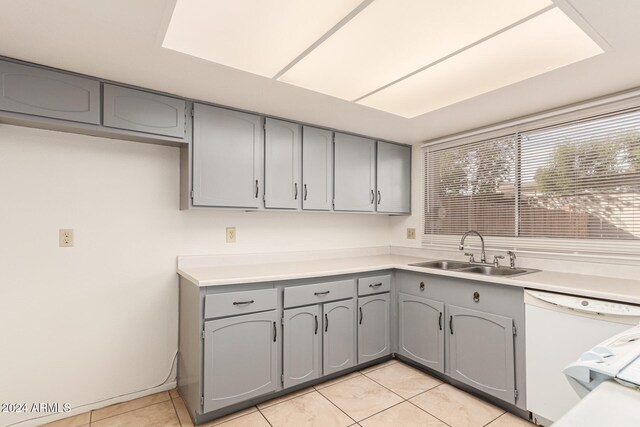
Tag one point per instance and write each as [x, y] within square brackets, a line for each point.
[489, 270]
[443, 264]
[467, 267]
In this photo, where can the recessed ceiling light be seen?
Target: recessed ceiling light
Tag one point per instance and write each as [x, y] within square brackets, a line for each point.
[548, 41]
[258, 36]
[392, 38]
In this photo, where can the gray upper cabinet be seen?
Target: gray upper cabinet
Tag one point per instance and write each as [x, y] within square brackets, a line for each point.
[393, 178]
[40, 92]
[317, 168]
[481, 351]
[421, 330]
[354, 184]
[227, 158]
[301, 345]
[282, 160]
[373, 327]
[140, 111]
[240, 359]
[339, 336]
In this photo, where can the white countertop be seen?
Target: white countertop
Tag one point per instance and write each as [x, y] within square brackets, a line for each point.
[624, 290]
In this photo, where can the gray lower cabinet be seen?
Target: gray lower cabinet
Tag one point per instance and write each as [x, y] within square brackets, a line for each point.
[282, 159]
[40, 92]
[338, 340]
[240, 358]
[373, 327]
[227, 158]
[393, 178]
[481, 351]
[140, 111]
[317, 169]
[354, 173]
[301, 345]
[421, 330]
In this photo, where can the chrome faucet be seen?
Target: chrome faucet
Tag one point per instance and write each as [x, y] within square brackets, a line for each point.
[512, 258]
[483, 256]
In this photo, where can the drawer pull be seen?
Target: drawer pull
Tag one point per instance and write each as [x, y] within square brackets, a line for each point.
[243, 302]
[422, 286]
[321, 293]
[476, 297]
[375, 285]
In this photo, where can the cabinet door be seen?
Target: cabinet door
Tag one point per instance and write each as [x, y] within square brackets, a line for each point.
[339, 336]
[481, 351]
[373, 327]
[240, 359]
[282, 164]
[421, 330]
[140, 111]
[354, 185]
[317, 169]
[32, 90]
[393, 178]
[301, 347]
[227, 158]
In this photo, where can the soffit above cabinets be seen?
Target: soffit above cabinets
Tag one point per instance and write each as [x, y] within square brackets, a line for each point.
[404, 57]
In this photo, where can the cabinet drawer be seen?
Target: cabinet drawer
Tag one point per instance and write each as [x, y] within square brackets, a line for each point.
[318, 293]
[234, 303]
[373, 285]
[140, 111]
[33, 90]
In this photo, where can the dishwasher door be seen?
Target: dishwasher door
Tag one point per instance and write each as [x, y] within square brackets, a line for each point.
[558, 330]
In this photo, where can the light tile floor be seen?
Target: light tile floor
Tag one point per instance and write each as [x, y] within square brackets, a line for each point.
[388, 394]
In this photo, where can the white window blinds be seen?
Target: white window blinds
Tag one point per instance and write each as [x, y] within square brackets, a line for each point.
[578, 180]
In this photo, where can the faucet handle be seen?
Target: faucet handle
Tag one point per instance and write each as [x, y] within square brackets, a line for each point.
[470, 255]
[496, 258]
[512, 258]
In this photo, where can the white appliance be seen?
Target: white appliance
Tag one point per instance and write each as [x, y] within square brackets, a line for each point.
[558, 329]
[607, 377]
[617, 358]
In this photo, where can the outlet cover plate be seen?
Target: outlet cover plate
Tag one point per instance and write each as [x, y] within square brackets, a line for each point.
[411, 233]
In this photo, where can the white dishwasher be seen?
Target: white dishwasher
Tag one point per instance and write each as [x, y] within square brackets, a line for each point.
[558, 330]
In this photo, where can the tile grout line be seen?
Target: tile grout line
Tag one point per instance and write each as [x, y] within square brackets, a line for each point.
[495, 418]
[379, 412]
[339, 408]
[263, 416]
[424, 410]
[337, 382]
[175, 410]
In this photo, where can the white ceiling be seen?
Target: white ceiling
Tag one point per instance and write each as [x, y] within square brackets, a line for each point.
[122, 40]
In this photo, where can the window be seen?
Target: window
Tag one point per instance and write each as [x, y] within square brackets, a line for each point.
[573, 180]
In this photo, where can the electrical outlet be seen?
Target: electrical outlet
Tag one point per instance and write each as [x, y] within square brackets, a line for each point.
[65, 237]
[231, 234]
[411, 233]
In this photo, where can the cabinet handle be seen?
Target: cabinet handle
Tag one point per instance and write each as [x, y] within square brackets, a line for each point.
[305, 192]
[316, 332]
[295, 195]
[360, 315]
[321, 293]
[422, 286]
[243, 302]
[476, 297]
[257, 188]
[451, 324]
[372, 196]
[379, 197]
[440, 321]
[375, 285]
[275, 332]
[326, 322]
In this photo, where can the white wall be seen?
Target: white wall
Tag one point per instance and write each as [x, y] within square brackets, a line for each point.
[98, 320]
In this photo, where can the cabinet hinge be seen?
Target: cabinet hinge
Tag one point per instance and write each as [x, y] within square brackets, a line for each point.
[282, 379]
[515, 394]
[192, 114]
[202, 334]
[515, 330]
[191, 194]
[202, 400]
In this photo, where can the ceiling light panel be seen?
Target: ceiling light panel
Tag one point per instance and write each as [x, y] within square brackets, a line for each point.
[258, 36]
[392, 38]
[548, 41]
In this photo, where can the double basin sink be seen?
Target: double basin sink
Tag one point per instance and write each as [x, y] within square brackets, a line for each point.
[468, 267]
